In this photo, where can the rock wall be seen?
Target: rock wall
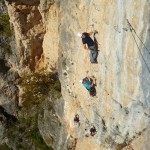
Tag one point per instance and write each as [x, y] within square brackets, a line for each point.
[32, 29]
[8, 76]
[52, 126]
[120, 112]
[29, 26]
[45, 33]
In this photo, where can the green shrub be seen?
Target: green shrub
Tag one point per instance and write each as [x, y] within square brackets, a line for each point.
[37, 87]
[5, 34]
[5, 25]
[24, 133]
[65, 73]
[4, 147]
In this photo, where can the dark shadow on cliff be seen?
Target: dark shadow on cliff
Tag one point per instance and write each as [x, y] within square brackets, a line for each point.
[4, 68]
[8, 116]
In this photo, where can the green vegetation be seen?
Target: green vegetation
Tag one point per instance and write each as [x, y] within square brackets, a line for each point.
[24, 133]
[3, 2]
[4, 147]
[65, 73]
[5, 34]
[5, 25]
[3, 67]
[37, 87]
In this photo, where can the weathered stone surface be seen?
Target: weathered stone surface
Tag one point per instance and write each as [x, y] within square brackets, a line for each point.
[29, 29]
[45, 33]
[8, 76]
[52, 126]
[2, 128]
[120, 104]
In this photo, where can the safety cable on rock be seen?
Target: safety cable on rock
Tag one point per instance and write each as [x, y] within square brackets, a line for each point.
[132, 29]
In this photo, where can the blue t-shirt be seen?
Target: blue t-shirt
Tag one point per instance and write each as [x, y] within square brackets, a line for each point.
[87, 85]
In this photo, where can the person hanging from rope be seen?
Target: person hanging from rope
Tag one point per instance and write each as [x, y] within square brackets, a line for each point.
[76, 120]
[93, 131]
[89, 83]
[89, 44]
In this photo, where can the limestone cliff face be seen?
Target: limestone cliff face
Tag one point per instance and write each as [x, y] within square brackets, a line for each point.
[23, 54]
[30, 21]
[120, 112]
[45, 33]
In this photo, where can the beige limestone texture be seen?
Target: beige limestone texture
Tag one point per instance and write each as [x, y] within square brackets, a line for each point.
[36, 33]
[46, 36]
[118, 72]
[51, 39]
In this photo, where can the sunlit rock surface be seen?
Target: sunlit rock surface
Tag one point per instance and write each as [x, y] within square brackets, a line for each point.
[45, 34]
[120, 112]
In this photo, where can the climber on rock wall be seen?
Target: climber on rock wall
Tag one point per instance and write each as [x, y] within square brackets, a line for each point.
[89, 83]
[88, 43]
[93, 131]
[76, 120]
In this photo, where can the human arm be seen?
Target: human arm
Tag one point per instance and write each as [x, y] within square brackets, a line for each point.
[91, 78]
[92, 84]
[90, 33]
[95, 32]
[85, 47]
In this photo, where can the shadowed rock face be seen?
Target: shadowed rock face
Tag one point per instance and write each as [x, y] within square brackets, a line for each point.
[3, 67]
[30, 22]
[52, 126]
[7, 115]
[8, 77]
[45, 34]
[24, 2]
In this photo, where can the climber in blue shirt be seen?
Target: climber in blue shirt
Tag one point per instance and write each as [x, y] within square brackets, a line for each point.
[89, 83]
[86, 83]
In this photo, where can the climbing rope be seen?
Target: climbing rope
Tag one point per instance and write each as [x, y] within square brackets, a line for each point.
[132, 29]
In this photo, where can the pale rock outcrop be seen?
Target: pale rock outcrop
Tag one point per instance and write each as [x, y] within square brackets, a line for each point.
[52, 126]
[51, 39]
[35, 25]
[120, 112]
[29, 30]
